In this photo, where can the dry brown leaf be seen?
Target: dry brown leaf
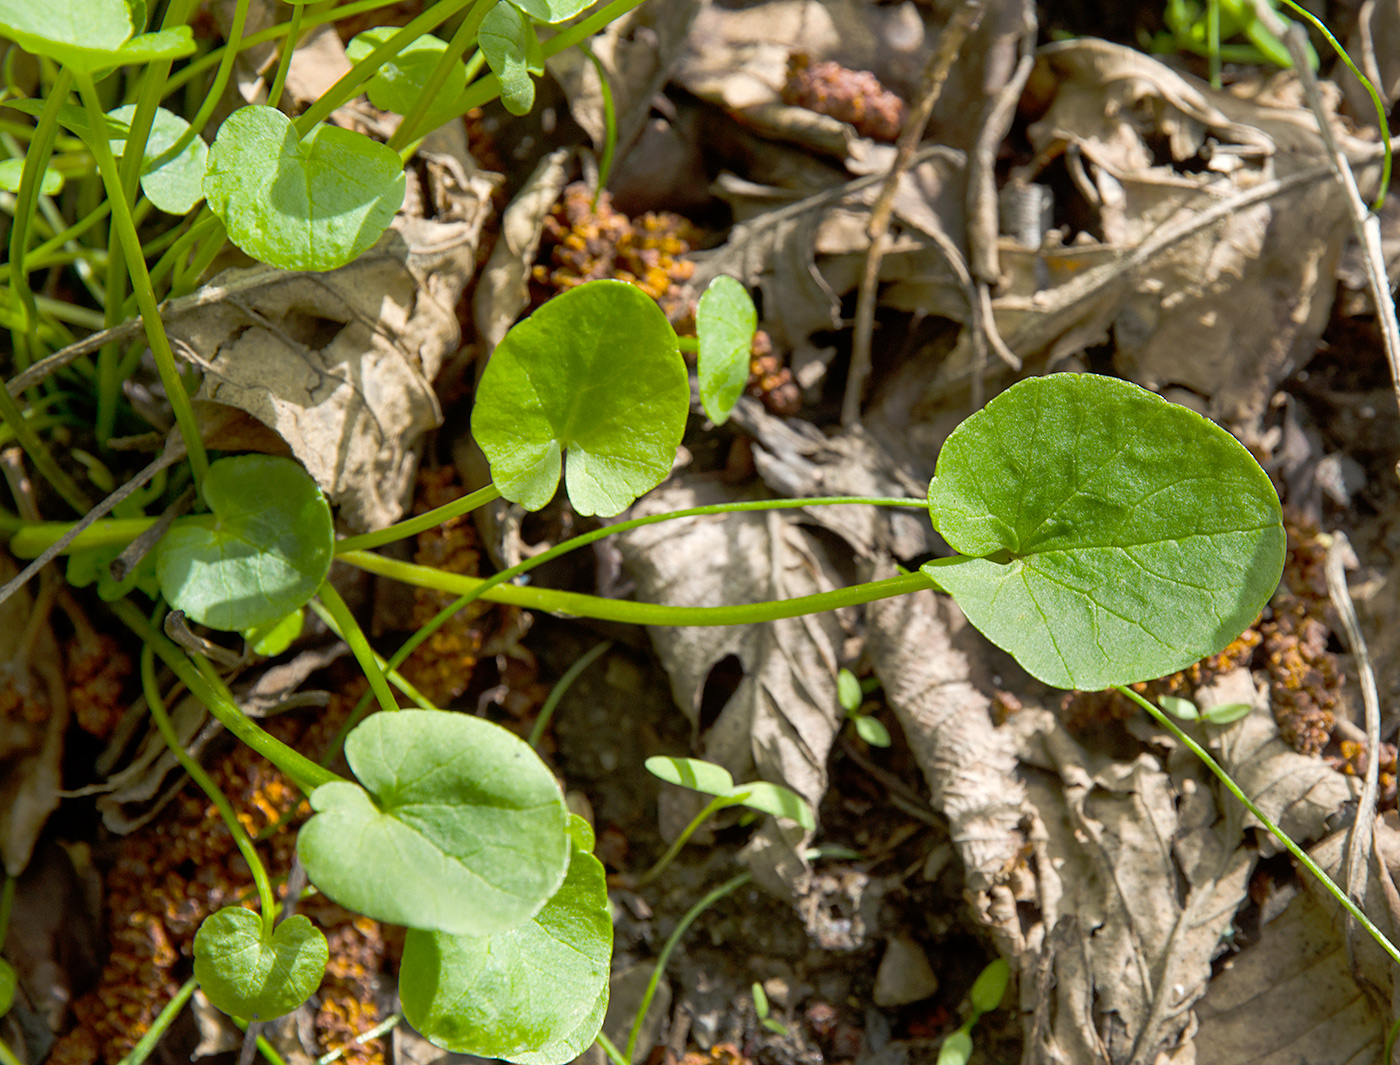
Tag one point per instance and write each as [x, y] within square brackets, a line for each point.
[34, 717]
[341, 364]
[781, 721]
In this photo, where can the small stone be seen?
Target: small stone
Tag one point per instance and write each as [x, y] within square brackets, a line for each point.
[904, 975]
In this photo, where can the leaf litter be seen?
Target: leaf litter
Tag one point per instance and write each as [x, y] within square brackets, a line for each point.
[1195, 246]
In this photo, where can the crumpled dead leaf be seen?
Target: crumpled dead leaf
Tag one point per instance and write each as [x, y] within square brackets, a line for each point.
[35, 715]
[341, 364]
[780, 722]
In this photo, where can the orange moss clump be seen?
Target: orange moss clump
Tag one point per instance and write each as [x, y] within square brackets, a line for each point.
[175, 871]
[583, 242]
[97, 673]
[853, 96]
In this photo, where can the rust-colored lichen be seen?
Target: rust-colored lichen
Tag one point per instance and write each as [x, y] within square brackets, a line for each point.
[770, 381]
[585, 242]
[853, 96]
[1352, 762]
[174, 872]
[97, 672]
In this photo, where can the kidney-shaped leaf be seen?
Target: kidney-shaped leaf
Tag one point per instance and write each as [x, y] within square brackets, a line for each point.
[550, 11]
[1111, 536]
[534, 994]
[79, 32]
[398, 83]
[260, 555]
[596, 372]
[177, 184]
[725, 321]
[459, 827]
[252, 979]
[308, 204]
[12, 171]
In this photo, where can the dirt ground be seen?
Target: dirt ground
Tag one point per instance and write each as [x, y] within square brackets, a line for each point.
[1082, 200]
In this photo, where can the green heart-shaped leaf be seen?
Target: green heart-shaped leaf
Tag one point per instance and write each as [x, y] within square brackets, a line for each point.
[262, 553]
[534, 994]
[71, 31]
[1110, 536]
[310, 204]
[459, 827]
[398, 83]
[12, 171]
[596, 372]
[252, 979]
[504, 39]
[177, 184]
[725, 320]
[551, 11]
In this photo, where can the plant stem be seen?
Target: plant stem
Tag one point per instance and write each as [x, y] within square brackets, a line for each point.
[392, 676]
[284, 59]
[463, 39]
[422, 523]
[348, 86]
[266, 900]
[574, 604]
[561, 686]
[691, 914]
[147, 1043]
[714, 806]
[7, 1056]
[351, 633]
[31, 540]
[7, 901]
[130, 243]
[304, 773]
[35, 160]
[1163, 719]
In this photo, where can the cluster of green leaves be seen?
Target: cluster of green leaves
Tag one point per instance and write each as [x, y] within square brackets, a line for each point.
[1089, 549]
[850, 693]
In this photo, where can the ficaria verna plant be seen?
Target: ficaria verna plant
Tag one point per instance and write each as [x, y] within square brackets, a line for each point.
[1102, 535]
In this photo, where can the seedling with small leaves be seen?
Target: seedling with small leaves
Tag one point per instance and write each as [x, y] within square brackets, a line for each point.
[764, 1011]
[850, 692]
[987, 992]
[1220, 714]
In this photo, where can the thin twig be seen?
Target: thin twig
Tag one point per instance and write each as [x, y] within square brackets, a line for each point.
[964, 21]
[172, 454]
[1356, 869]
[1365, 224]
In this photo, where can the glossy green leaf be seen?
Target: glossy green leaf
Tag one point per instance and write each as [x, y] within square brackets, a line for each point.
[777, 800]
[956, 1049]
[311, 204]
[398, 83]
[990, 986]
[596, 372]
[12, 172]
[177, 184]
[79, 32]
[174, 43]
[534, 994]
[504, 39]
[9, 980]
[691, 773]
[715, 780]
[459, 827]
[549, 11]
[1178, 707]
[1225, 713]
[872, 731]
[252, 979]
[848, 691]
[725, 321]
[274, 637]
[1106, 535]
[94, 565]
[261, 554]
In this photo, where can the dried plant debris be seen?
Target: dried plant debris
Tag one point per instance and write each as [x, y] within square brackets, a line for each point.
[852, 96]
[171, 874]
[585, 239]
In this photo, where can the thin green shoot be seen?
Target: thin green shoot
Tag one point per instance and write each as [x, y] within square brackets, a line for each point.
[394, 677]
[387, 1025]
[284, 57]
[610, 1049]
[146, 1045]
[682, 926]
[401, 530]
[266, 900]
[351, 633]
[562, 685]
[764, 1011]
[1234, 789]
